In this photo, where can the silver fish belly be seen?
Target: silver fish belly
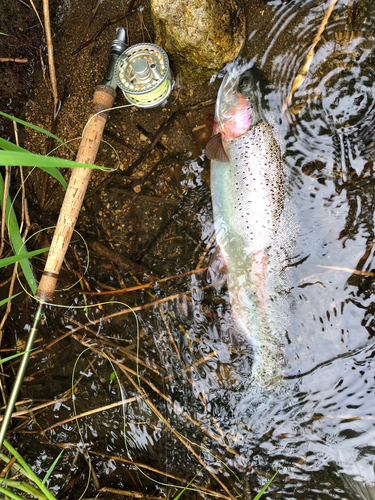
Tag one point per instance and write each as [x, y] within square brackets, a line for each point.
[247, 197]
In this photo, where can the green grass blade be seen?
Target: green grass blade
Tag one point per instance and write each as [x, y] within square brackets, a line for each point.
[36, 479]
[2, 302]
[17, 467]
[50, 470]
[15, 237]
[33, 160]
[34, 127]
[187, 486]
[16, 258]
[266, 486]
[13, 356]
[10, 146]
[10, 494]
[23, 486]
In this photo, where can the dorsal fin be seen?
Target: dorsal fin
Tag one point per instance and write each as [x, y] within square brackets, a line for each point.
[215, 149]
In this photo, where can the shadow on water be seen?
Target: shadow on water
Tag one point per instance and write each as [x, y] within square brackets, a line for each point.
[319, 426]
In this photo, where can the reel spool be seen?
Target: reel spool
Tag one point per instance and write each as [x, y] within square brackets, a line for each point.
[143, 74]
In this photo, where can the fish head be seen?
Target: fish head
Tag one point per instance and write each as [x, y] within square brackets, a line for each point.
[237, 104]
[237, 109]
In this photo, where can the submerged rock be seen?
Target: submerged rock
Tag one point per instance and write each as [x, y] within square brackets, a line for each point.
[199, 36]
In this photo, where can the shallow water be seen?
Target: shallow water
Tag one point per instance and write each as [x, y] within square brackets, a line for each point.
[320, 423]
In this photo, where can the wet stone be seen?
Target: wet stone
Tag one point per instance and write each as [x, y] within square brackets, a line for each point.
[200, 36]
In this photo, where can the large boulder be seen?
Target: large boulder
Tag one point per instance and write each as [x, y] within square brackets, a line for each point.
[199, 36]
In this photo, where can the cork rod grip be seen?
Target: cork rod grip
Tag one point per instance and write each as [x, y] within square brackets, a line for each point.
[104, 97]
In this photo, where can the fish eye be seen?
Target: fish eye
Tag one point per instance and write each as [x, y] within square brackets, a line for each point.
[245, 83]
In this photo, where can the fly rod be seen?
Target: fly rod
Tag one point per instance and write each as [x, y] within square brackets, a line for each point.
[103, 100]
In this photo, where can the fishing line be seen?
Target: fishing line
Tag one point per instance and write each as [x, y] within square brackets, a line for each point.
[150, 97]
[104, 111]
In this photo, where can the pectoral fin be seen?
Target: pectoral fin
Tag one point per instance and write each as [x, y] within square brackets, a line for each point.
[217, 265]
[215, 149]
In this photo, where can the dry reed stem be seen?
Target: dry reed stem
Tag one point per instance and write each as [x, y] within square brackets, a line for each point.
[178, 436]
[3, 210]
[51, 64]
[18, 403]
[25, 213]
[37, 15]
[152, 469]
[125, 351]
[9, 304]
[23, 413]
[91, 412]
[348, 270]
[150, 304]
[351, 417]
[191, 382]
[83, 278]
[174, 405]
[306, 63]
[8, 466]
[146, 285]
[125, 493]
[170, 334]
[202, 360]
[13, 59]
[205, 251]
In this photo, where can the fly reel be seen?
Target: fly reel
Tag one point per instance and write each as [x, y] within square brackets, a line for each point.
[143, 74]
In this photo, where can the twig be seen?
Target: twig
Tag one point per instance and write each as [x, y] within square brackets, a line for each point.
[104, 27]
[13, 59]
[306, 63]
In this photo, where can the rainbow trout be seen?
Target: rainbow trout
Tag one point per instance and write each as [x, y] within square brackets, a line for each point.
[247, 195]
